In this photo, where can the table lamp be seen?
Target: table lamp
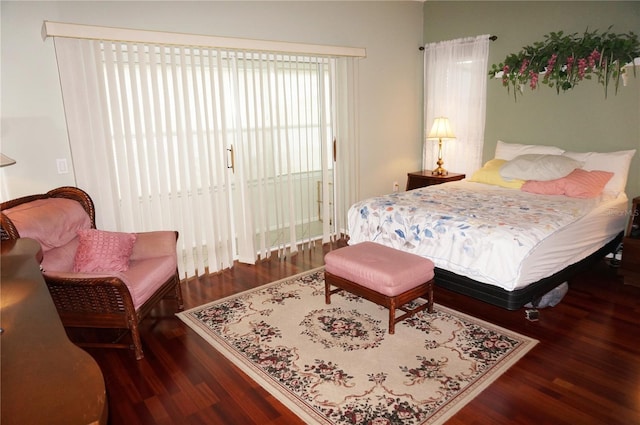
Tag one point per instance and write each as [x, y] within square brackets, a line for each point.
[441, 129]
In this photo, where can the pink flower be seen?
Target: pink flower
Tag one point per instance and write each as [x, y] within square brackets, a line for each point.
[524, 65]
[582, 67]
[505, 75]
[551, 64]
[593, 58]
[533, 76]
[570, 61]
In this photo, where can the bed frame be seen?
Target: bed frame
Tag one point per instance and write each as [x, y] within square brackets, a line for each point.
[514, 300]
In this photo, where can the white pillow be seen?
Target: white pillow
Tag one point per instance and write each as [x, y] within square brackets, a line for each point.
[509, 151]
[616, 162]
[539, 167]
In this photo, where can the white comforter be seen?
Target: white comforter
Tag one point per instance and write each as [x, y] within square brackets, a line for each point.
[475, 230]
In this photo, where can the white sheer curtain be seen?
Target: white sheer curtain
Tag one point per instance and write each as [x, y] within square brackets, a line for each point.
[455, 81]
[154, 129]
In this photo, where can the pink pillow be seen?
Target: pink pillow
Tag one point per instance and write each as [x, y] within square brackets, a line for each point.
[586, 184]
[544, 187]
[101, 251]
[578, 184]
[54, 222]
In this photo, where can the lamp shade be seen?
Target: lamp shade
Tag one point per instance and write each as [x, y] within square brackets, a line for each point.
[5, 160]
[441, 129]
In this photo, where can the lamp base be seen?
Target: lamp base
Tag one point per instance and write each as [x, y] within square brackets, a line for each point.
[439, 172]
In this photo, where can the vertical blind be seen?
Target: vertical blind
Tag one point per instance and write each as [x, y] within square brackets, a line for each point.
[155, 128]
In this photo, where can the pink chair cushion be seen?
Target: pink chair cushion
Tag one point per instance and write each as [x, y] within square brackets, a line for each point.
[145, 277]
[148, 268]
[53, 222]
[102, 251]
[62, 258]
[385, 270]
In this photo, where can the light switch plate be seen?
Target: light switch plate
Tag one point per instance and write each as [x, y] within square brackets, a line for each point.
[62, 166]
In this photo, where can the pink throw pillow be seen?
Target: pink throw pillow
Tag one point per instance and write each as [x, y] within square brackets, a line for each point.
[544, 187]
[101, 251]
[578, 184]
[586, 184]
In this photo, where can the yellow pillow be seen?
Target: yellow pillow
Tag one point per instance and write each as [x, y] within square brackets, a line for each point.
[490, 174]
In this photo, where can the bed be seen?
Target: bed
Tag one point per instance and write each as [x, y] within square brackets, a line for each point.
[507, 240]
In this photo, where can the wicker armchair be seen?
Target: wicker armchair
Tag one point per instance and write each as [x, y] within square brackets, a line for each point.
[119, 300]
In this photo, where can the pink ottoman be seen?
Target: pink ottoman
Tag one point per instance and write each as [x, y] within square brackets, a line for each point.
[385, 276]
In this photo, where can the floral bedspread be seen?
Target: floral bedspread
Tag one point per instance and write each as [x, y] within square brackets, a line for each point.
[479, 231]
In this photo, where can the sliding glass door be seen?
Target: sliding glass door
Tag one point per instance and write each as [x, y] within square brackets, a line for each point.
[234, 149]
[282, 155]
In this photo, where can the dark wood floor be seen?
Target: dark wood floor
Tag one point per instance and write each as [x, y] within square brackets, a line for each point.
[585, 370]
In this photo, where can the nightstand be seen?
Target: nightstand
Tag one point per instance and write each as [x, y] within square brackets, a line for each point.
[424, 178]
[630, 265]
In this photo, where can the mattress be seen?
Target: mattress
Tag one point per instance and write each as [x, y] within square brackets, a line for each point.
[497, 236]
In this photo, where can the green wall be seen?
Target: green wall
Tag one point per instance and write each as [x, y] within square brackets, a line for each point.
[578, 120]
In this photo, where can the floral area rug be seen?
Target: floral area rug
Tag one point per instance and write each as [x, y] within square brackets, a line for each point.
[337, 364]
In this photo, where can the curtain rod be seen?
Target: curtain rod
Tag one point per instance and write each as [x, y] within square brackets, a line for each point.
[491, 37]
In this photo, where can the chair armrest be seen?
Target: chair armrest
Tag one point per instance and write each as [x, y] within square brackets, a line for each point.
[85, 279]
[84, 293]
[154, 244]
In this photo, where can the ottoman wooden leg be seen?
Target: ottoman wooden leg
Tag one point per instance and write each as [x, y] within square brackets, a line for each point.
[392, 316]
[430, 310]
[327, 290]
[328, 281]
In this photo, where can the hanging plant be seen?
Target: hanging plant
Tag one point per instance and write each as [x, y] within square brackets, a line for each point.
[562, 61]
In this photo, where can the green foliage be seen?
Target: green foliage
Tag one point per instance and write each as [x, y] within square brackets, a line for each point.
[563, 60]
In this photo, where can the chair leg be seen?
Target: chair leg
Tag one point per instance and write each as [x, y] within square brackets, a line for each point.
[179, 293]
[137, 342]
